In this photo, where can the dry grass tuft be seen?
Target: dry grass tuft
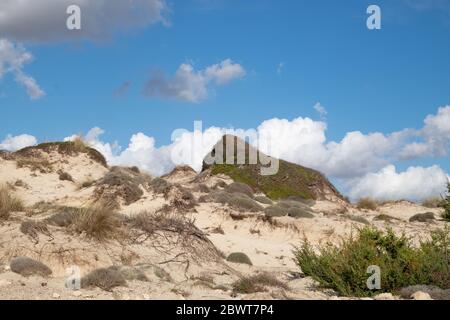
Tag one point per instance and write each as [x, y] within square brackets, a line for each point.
[257, 283]
[367, 204]
[98, 221]
[8, 203]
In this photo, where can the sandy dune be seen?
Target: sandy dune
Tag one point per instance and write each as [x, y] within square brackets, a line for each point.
[192, 269]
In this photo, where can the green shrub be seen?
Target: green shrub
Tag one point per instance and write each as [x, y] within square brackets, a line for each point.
[239, 257]
[367, 203]
[8, 203]
[446, 205]
[343, 268]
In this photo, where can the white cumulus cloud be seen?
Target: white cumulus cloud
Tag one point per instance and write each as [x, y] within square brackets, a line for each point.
[416, 183]
[190, 85]
[14, 143]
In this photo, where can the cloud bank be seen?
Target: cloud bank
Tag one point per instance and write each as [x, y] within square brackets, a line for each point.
[362, 163]
[190, 85]
[46, 19]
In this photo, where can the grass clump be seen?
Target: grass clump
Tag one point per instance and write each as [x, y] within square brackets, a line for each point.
[8, 203]
[367, 204]
[257, 283]
[239, 257]
[433, 202]
[98, 221]
[343, 268]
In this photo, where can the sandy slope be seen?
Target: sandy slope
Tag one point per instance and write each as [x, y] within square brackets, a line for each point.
[173, 271]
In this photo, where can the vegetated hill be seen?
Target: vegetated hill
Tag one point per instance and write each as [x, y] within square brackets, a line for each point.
[291, 180]
[66, 148]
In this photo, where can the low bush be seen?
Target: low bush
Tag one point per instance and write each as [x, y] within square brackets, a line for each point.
[28, 267]
[159, 185]
[237, 187]
[264, 200]
[203, 188]
[105, 279]
[384, 217]
[422, 217]
[245, 204]
[8, 203]
[121, 183]
[64, 218]
[276, 211]
[64, 176]
[359, 219]
[344, 268]
[239, 257]
[33, 228]
[300, 213]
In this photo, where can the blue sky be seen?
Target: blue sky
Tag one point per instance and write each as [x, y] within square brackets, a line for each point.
[368, 80]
